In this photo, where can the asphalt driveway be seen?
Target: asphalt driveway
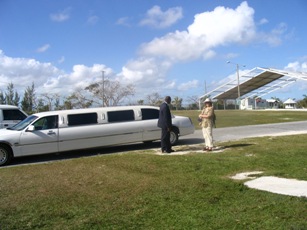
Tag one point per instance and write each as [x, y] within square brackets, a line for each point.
[237, 133]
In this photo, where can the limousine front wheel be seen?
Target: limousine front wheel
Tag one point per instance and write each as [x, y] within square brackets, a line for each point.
[174, 136]
[5, 155]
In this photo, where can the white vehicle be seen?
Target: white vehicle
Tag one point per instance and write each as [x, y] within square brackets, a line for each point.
[65, 130]
[10, 115]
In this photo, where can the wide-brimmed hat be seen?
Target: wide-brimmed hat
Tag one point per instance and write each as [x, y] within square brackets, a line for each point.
[208, 100]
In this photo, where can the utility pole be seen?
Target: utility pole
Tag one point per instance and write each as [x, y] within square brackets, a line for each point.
[238, 80]
[102, 88]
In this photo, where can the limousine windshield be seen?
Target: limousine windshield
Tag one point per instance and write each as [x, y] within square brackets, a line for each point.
[24, 123]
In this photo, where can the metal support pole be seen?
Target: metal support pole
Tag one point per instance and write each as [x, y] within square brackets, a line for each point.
[102, 88]
[238, 78]
[238, 100]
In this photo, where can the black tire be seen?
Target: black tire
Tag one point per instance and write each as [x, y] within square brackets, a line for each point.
[174, 136]
[5, 155]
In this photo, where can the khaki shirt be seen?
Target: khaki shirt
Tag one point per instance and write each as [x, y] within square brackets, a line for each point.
[207, 122]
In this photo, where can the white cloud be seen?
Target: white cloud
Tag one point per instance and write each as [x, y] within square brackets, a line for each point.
[92, 20]
[301, 67]
[297, 67]
[124, 21]
[209, 54]
[156, 18]
[274, 37]
[188, 85]
[43, 49]
[46, 77]
[148, 75]
[80, 77]
[224, 25]
[209, 30]
[263, 21]
[61, 16]
[21, 71]
[145, 71]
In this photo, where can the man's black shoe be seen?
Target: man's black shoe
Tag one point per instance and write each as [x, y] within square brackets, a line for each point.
[169, 151]
[164, 151]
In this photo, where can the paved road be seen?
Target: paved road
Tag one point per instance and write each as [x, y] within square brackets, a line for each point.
[236, 133]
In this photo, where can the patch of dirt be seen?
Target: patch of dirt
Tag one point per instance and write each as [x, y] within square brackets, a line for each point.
[186, 149]
[284, 186]
[246, 175]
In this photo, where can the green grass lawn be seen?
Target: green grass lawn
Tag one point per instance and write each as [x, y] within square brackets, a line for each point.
[143, 190]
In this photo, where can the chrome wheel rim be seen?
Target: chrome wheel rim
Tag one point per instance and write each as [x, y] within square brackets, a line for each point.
[3, 156]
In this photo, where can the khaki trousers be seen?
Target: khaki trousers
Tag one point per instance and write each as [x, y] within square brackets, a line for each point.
[207, 133]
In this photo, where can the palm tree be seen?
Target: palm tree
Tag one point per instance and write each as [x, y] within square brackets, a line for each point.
[177, 102]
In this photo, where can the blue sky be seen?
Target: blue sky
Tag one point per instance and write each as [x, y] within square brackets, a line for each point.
[173, 47]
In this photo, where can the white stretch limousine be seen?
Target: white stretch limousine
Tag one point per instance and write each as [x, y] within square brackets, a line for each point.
[65, 130]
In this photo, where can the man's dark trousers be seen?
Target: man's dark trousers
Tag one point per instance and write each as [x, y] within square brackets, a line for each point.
[165, 140]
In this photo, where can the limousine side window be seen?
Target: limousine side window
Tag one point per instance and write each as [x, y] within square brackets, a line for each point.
[82, 119]
[50, 122]
[13, 114]
[120, 116]
[149, 114]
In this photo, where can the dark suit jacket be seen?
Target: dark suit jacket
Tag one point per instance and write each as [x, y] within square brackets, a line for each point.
[165, 117]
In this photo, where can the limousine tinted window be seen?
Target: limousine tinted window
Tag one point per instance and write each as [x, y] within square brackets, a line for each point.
[119, 116]
[148, 114]
[82, 119]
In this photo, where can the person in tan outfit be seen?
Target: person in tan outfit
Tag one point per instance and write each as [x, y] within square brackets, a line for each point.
[207, 123]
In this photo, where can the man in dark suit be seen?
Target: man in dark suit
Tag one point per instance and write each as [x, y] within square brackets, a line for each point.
[165, 123]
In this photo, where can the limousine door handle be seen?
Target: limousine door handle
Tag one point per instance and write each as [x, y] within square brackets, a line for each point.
[51, 133]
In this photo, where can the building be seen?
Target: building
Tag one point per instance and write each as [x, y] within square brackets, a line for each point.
[290, 104]
[258, 103]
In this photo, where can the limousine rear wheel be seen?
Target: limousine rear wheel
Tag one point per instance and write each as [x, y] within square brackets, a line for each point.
[174, 136]
[5, 155]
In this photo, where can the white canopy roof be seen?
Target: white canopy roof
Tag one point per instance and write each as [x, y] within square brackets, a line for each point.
[258, 82]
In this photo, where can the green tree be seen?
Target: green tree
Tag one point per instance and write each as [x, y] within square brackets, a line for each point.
[27, 103]
[68, 104]
[177, 103]
[2, 98]
[77, 100]
[110, 93]
[57, 105]
[279, 102]
[154, 99]
[11, 97]
[140, 102]
[302, 103]
[193, 102]
[51, 100]
[41, 106]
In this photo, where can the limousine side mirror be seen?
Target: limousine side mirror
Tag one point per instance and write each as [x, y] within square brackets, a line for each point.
[31, 128]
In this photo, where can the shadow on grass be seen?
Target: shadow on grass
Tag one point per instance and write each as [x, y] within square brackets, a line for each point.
[37, 159]
[236, 146]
